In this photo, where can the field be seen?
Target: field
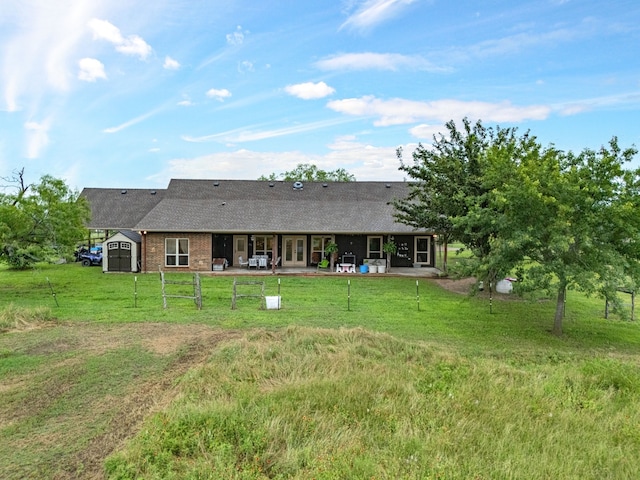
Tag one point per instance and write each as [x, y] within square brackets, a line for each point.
[376, 378]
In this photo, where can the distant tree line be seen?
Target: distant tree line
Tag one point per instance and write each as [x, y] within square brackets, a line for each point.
[306, 172]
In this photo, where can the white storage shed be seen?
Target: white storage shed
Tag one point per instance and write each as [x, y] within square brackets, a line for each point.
[122, 252]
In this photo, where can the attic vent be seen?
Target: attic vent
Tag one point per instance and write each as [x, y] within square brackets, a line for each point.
[271, 184]
[325, 185]
[388, 185]
[123, 192]
[297, 185]
[216, 184]
[153, 192]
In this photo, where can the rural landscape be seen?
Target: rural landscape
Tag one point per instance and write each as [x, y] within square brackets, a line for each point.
[354, 377]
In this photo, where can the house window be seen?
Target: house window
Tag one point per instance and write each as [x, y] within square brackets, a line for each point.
[263, 244]
[176, 252]
[374, 247]
[423, 249]
[318, 245]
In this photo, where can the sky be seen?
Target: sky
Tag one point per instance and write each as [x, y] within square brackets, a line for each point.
[132, 93]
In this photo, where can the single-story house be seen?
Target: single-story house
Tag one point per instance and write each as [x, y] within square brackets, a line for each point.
[194, 224]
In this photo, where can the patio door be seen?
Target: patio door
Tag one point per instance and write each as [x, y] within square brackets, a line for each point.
[294, 251]
[240, 243]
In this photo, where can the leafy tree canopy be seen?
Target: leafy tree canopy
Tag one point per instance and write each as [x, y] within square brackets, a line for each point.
[306, 172]
[39, 221]
[556, 220]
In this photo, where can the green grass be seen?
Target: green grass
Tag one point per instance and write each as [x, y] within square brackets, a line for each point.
[370, 386]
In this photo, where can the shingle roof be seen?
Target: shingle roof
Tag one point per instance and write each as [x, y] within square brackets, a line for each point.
[240, 206]
[120, 209]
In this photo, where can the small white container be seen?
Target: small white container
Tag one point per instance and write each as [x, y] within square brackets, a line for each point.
[273, 303]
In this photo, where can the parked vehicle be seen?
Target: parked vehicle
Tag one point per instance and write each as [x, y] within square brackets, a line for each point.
[89, 259]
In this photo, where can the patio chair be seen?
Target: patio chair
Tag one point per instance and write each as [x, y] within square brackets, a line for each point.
[253, 262]
[276, 263]
[323, 264]
[242, 262]
[262, 262]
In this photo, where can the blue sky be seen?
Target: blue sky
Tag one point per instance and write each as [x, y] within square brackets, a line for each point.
[131, 93]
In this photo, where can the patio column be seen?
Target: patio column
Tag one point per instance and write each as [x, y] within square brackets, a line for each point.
[274, 253]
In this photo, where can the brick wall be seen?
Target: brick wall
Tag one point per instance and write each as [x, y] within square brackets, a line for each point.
[153, 254]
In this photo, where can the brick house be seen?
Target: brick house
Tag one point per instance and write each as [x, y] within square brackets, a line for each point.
[193, 222]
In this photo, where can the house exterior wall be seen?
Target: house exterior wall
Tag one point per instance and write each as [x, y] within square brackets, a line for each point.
[203, 247]
[200, 250]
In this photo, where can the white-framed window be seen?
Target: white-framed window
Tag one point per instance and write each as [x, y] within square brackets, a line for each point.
[176, 252]
[318, 244]
[422, 250]
[374, 247]
[262, 244]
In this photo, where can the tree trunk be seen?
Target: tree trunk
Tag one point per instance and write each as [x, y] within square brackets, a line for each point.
[557, 322]
[446, 255]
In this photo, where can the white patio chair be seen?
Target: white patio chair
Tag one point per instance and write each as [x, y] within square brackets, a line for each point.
[253, 262]
[242, 262]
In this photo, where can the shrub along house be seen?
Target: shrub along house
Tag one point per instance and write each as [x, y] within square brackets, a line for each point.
[194, 222]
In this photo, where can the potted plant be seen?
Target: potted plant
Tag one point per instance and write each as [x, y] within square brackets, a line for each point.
[373, 266]
[390, 248]
[331, 248]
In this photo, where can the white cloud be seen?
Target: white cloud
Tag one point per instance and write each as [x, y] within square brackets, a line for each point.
[91, 70]
[218, 94]
[40, 55]
[245, 66]
[424, 131]
[400, 111]
[170, 64]
[365, 161]
[237, 37]
[37, 137]
[309, 90]
[373, 12]
[377, 61]
[131, 45]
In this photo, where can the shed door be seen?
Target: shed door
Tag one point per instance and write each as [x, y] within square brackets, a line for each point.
[119, 256]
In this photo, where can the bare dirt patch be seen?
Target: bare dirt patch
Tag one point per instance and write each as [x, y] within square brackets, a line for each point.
[180, 347]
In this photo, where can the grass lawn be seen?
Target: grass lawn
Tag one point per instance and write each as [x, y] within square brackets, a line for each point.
[353, 379]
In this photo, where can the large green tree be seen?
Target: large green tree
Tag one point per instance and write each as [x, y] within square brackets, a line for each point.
[306, 172]
[555, 220]
[446, 180]
[39, 221]
[564, 221]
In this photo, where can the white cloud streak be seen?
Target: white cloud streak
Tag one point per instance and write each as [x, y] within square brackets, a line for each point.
[37, 137]
[246, 134]
[373, 12]
[378, 61]
[132, 122]
[400, 111]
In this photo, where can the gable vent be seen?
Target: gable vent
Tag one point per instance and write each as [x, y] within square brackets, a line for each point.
[297, 185]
